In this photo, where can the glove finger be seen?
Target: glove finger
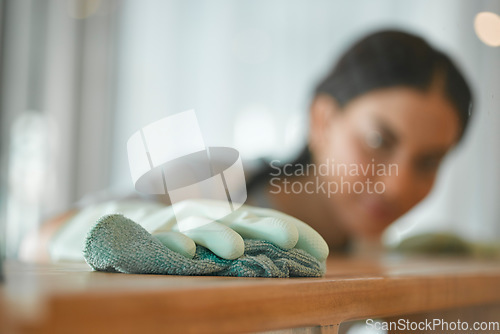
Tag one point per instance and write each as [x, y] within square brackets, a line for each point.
[177, 242]
[309, 240]
[220, 239]
[275, 230]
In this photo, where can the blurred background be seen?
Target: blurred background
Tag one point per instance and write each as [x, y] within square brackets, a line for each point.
[78, 77]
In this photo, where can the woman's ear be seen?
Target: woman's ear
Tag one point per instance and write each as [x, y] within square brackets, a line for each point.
[324, 109]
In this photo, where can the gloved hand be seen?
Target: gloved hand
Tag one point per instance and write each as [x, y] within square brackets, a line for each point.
[223, 237]
[195, 224]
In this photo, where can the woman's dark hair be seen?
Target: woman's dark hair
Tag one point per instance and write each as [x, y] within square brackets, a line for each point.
[394, 58]
[386, 59]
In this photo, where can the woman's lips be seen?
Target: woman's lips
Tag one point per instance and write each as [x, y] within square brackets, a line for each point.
[378, 209]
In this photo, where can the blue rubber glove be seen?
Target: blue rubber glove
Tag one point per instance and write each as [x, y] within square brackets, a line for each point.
[195, 224]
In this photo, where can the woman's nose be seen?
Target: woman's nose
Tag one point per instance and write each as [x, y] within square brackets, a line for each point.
[400, 184]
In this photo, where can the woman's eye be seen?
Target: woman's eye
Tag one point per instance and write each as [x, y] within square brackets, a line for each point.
[375, 140]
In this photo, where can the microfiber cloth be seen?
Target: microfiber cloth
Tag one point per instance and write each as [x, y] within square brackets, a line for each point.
[118, 244]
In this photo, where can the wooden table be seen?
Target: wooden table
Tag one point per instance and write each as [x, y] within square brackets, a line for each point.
[70, 298]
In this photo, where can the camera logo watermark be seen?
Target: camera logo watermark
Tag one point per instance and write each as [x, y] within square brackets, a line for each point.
[285, 178]
[169, 157]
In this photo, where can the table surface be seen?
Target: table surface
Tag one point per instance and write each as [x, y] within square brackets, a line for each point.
[57, 297]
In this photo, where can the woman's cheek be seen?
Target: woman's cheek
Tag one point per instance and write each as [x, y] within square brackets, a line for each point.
[352, 159]
[424, 188]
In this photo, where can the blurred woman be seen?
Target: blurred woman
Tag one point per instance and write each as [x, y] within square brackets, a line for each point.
[388, 112]
[380, 124]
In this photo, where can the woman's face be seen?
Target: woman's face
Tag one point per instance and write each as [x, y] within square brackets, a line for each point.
[383, 150]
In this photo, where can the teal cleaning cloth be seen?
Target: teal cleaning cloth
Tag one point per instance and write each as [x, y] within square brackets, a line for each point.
[117, 244]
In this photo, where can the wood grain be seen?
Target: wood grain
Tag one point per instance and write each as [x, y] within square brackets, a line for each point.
[66, 298]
